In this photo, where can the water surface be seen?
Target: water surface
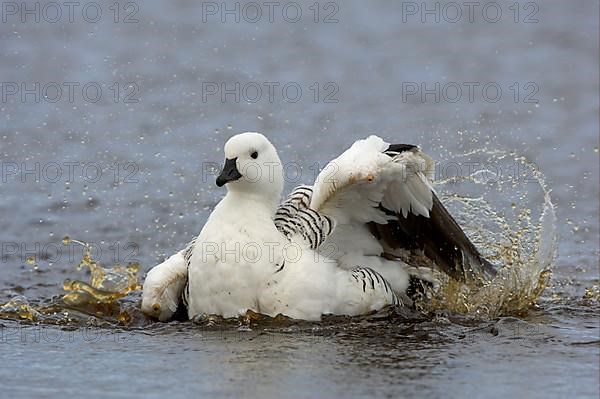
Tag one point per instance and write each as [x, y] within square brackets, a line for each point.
[153, 193]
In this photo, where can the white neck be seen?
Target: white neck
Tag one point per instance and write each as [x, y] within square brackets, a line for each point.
[259, 202]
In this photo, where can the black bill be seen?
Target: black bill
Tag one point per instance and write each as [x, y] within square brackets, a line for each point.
[229, 172]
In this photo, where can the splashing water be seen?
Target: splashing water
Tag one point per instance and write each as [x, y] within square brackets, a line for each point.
[502, 203]
[519, 237]
[98, 297]
[118, 279]
[20, 309]
[106, 285]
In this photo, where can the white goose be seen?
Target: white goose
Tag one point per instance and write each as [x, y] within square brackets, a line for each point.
[347, 245]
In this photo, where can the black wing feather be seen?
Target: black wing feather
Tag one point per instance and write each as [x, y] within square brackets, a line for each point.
[438, 237]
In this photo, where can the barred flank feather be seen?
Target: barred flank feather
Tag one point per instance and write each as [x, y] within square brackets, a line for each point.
[295, 217]
[369, 279]
[187, 255]
[186, 294]
[187, 252]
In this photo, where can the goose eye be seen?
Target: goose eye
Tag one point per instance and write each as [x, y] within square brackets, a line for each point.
[254, 155]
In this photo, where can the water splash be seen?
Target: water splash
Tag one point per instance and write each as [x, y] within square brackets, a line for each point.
[117, 279]
[19, 308]
[107, 285]
[97, 298]
[505, 207]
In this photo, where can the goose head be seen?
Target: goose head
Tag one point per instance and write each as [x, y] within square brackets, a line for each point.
[252, 167]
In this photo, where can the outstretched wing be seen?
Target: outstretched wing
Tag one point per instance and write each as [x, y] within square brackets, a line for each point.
[379, 191]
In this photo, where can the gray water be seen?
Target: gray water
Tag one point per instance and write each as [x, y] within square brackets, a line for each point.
[132, 175]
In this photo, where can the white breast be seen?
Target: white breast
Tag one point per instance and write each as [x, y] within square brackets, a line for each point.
[232, 259]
